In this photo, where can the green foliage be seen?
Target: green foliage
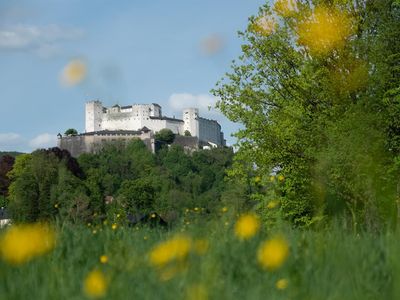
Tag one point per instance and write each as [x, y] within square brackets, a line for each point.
[131, 178]
[137, 195]
[327, 122]
[71, 131]
[165, 135]
[187, 133]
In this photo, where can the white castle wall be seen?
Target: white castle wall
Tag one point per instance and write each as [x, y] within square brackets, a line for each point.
[209, 130]
[137, 116]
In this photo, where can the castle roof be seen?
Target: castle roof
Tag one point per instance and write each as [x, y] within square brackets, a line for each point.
[117, 132]
[166, 118]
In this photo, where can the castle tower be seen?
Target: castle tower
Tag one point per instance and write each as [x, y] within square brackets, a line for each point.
[191, 123]
[94, 113]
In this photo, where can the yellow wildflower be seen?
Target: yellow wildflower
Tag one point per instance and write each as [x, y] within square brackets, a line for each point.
[196, 209]
[177, 248]
[114, 226]
[272, 178]
[94, 231]
[118, 215]
[285, 8]
[104, 259]
[21, 243]
[73, 73]
[153, 215]
[247, 226]
[95, 284]
[272, 204]
[273, 253]
[257, 179]
[224, 209]
[281, 178]
[324, 30]
[56, 205]
[282, 284]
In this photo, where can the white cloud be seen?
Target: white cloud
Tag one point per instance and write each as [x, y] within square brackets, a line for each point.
[44, 140]
[11, 142]
[38, 39]
[204, 102]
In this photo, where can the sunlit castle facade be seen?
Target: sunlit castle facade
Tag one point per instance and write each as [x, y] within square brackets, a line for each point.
[138, 116]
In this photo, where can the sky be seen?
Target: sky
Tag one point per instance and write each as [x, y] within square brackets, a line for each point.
[168, 52]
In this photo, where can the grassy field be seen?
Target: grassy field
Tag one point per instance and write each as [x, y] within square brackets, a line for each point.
[213, 264]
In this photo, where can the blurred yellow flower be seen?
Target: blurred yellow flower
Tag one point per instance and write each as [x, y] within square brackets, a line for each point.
[196, 209]
[73, 73]
[282, 284]
[272, 204]
[281, 178]
[265, 25]
[104, 259]
[94, 231]
[247, 226]
[176, 248]
[272, 178]
[224, 209]
[285, 8]
[257, 179]
[324, 30]
[114, 226]
[197, 292]
[273, 253]
[21, 243]
[153, 215]
[95, 284]
[56, 205]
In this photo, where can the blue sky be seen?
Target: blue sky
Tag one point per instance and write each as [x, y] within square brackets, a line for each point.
[168, 52]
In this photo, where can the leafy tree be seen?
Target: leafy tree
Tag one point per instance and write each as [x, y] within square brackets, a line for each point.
[137, 195]
[187, 133]
[6, 164]
[310, 91]
[71, 131]
[165, 135]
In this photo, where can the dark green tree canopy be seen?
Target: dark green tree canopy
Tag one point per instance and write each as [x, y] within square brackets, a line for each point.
[71, 131]
[165, 135]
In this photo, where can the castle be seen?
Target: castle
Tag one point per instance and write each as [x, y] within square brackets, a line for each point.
[108, 124]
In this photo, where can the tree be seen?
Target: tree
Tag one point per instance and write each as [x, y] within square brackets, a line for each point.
[309, 91]
[71, 131]
[165, 135]
[6, 164]
[137, 195]
[187, 133]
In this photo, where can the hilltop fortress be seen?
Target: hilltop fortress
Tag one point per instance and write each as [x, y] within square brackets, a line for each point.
[122, 123]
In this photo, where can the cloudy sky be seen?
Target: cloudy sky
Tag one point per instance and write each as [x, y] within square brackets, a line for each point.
[168, 52]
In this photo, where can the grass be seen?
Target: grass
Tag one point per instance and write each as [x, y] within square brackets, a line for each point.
[327, 264]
